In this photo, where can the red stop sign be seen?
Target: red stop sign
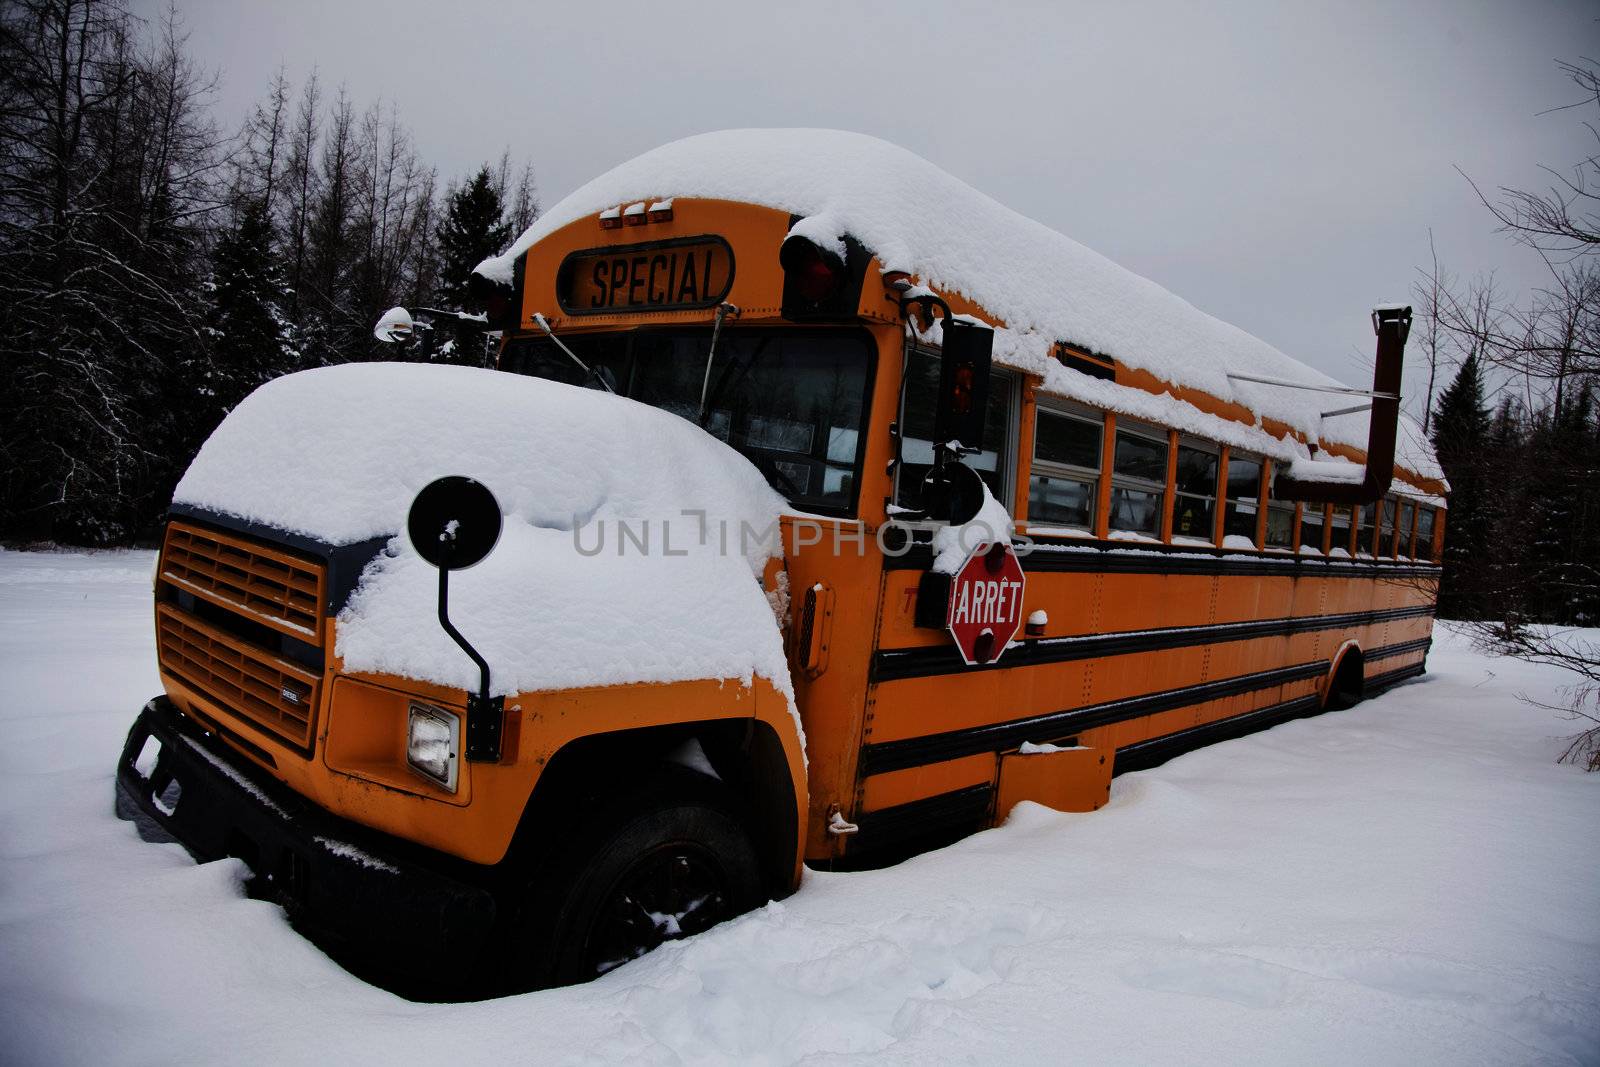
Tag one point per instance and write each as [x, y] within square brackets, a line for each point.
[986, 602]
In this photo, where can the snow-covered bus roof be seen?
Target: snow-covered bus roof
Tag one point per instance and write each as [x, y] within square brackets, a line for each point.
[1044, 286]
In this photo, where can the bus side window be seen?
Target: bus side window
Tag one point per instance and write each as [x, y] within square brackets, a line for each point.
[1339, 525]
[1244, 498]
[1138, 479]
[1194, 511]
[1407, 514]
[1425, 518]
[1280, 522]
[916, 423]
[1065, 480]
[1386, 528]
[1366, 519]
[1312, 517]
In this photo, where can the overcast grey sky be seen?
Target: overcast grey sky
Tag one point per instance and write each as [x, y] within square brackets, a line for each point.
[1276, 164]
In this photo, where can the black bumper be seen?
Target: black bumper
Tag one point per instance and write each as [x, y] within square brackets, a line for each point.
[406, 917]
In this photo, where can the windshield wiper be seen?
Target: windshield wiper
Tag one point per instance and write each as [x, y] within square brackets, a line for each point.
[587, 370]
[723, 311]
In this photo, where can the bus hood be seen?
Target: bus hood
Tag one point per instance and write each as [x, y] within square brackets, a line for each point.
[633, 543]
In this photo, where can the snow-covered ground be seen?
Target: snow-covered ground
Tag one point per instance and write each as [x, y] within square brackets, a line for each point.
[1413, 881]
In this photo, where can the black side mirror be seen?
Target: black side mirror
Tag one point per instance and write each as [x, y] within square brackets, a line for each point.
[454, 522]
[963, 382]
[952, 492]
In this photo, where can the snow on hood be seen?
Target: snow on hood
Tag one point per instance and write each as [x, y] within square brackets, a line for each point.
[337, 454]
[1047, 287]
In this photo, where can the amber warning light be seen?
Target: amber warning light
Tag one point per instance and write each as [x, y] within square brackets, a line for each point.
[639, 213]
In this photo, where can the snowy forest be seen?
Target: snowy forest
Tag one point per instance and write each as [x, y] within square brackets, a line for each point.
[155, 266]
[1517, 427]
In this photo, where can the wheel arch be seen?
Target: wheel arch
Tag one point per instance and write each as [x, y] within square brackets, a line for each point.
[1345, 685]
[747, 756]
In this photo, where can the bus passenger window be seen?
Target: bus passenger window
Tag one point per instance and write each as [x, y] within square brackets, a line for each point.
[1407, 513]
[1066, 469]
[1311, 525]
[1194, 510]
[1244, 497]
[1425, 533]
[1138, 480]
[1386, 529]
[1280, 524]
[1366, 518]
[916, 449]
[1339, 525]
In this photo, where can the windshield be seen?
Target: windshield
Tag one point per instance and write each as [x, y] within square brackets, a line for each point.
[792, 401]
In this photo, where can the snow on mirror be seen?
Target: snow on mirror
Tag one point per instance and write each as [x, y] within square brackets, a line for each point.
[394, 327]
[454, 522]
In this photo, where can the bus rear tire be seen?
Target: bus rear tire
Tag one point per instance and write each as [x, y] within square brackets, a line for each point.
[671, 863]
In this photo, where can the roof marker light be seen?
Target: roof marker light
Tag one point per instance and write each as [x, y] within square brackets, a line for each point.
[611, 218]
[633, 215]
[661, 210]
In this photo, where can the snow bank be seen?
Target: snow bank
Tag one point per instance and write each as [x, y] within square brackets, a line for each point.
[1409, 882]
[1046, 287]
[621, 559]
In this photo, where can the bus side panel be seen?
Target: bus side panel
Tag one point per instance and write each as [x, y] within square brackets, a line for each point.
[943, 708]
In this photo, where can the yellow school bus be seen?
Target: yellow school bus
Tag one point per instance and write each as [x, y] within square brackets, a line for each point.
[1185, 558]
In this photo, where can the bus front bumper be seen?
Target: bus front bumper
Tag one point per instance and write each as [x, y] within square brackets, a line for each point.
[389, 910]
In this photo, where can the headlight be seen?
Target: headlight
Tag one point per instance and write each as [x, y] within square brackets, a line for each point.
[433, 745]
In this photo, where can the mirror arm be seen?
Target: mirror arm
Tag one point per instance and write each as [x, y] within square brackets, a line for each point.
[929, 301]
[485, 714]
[456, 636]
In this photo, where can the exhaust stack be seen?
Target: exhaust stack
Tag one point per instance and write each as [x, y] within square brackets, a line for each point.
[1392, 323]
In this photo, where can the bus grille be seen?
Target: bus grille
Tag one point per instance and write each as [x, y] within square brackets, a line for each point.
[266, 690]
[268, 586]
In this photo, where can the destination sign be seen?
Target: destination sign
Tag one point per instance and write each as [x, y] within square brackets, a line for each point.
[659, 276]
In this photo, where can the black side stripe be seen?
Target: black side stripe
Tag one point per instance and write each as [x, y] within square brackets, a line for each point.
[1404, 648]
[943, 814]
[1157, 750]
[1047, 557]
[1379, 682]
[963, 811]
[896, 663]
[997, 737]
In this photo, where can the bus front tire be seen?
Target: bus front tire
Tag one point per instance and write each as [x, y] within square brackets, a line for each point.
[672, 863]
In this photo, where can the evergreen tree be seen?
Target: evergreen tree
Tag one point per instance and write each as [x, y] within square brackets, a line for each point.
[249, 335]
[474, 226]
[1460, 437]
